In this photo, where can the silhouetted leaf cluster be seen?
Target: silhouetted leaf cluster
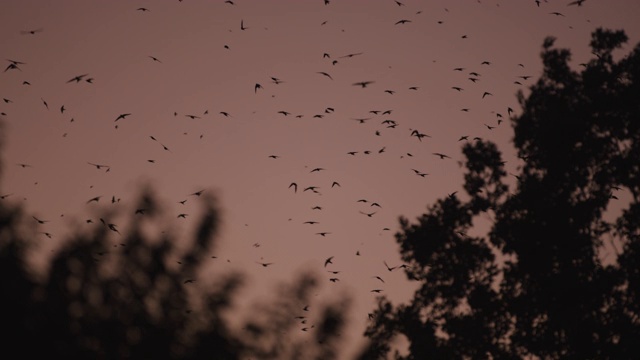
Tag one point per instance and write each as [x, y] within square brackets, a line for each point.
[555, 277]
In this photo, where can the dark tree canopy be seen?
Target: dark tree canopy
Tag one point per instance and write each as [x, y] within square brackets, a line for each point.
[127, 292]
[555, 277]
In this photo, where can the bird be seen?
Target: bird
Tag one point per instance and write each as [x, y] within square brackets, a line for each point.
[264, 264]
[577, 2]
[188, 281]
[155, 59]
[363, 84]
[31, 32]
[197, 193]
[62, 109]
[99, 166]
[325, 74]
[387, 266]
[379, 278]
[317, 169]
[310, 222]
[96, 199]
[285, 113]
[442, 156]
[463, 137]
[328, 261]
[274, 156]
[183, 215]
[242, 27]
[39, 220]
[256, 87]
[403, 21]
[556, 13]
[323, 233]
[368, 214]
[77, 78]
[486, 93]
[142, 9]
[122, 116]
[457, 88]
[334, 279]
[193, 116]
[376, 290]
[295, 187]
[335, 183]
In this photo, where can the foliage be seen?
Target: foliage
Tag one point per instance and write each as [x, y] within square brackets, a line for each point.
[554, 277]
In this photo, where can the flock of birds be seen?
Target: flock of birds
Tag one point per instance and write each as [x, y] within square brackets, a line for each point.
[18, 73]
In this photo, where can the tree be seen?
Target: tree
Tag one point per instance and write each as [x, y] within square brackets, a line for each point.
[116, 292]
[555, 276]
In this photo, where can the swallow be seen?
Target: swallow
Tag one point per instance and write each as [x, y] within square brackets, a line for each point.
[121, 116]
[310, 222]
[442, 156]
[334, 279]
[256, 87]
[335, 183]
[274, 156]
[96, 199]
[99, 166]
[285, 113]
[376, 290]
[197, 193]
[325, 74]
[31, 32]
[577, 2]
[328, 261]
[142, 9]
[77, 78]
[39, 221]
[264, 264]
[242, 27]
[379, 278]
[183, 215]
[193, 116]
[403, 21]
[155, 59]
[368, 214]
[324, 233]
[363, 84]
[351, 55]
[486, 93]
[295, 187]
[387, 266]
[317, 169]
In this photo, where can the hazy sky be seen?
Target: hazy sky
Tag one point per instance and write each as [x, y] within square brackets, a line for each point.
[207, 66]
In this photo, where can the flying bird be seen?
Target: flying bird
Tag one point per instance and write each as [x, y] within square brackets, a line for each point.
[403, 21]
[121, 116]
[77, 78]
[295, 187]
[325, 74]
[363, 84]
[442, 156]
[328, 261]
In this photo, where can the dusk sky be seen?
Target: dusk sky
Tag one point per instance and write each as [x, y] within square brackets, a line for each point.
[187, 71]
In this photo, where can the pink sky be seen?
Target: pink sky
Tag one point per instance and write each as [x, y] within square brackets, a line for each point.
[113, 42]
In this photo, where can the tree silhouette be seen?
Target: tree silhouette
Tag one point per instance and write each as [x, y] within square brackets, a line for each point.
[136, 294]
[556, 275]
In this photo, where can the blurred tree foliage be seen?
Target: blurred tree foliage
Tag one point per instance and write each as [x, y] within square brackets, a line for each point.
[554, 277]
[115, 294]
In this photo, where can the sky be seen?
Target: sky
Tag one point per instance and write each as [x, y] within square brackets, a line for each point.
[186, 72]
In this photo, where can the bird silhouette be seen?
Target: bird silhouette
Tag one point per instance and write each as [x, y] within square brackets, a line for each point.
[31, 32]
[328, 261]
[77, 78]
[96, 199]
[264, 264]
[242, 27]
[39, 220]
[256, 87]
[122, 116]
[403, 21]
[197, 193]
[155, 59]
[325, 74]
[295, 187]
[442, 156]
[363, 84]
